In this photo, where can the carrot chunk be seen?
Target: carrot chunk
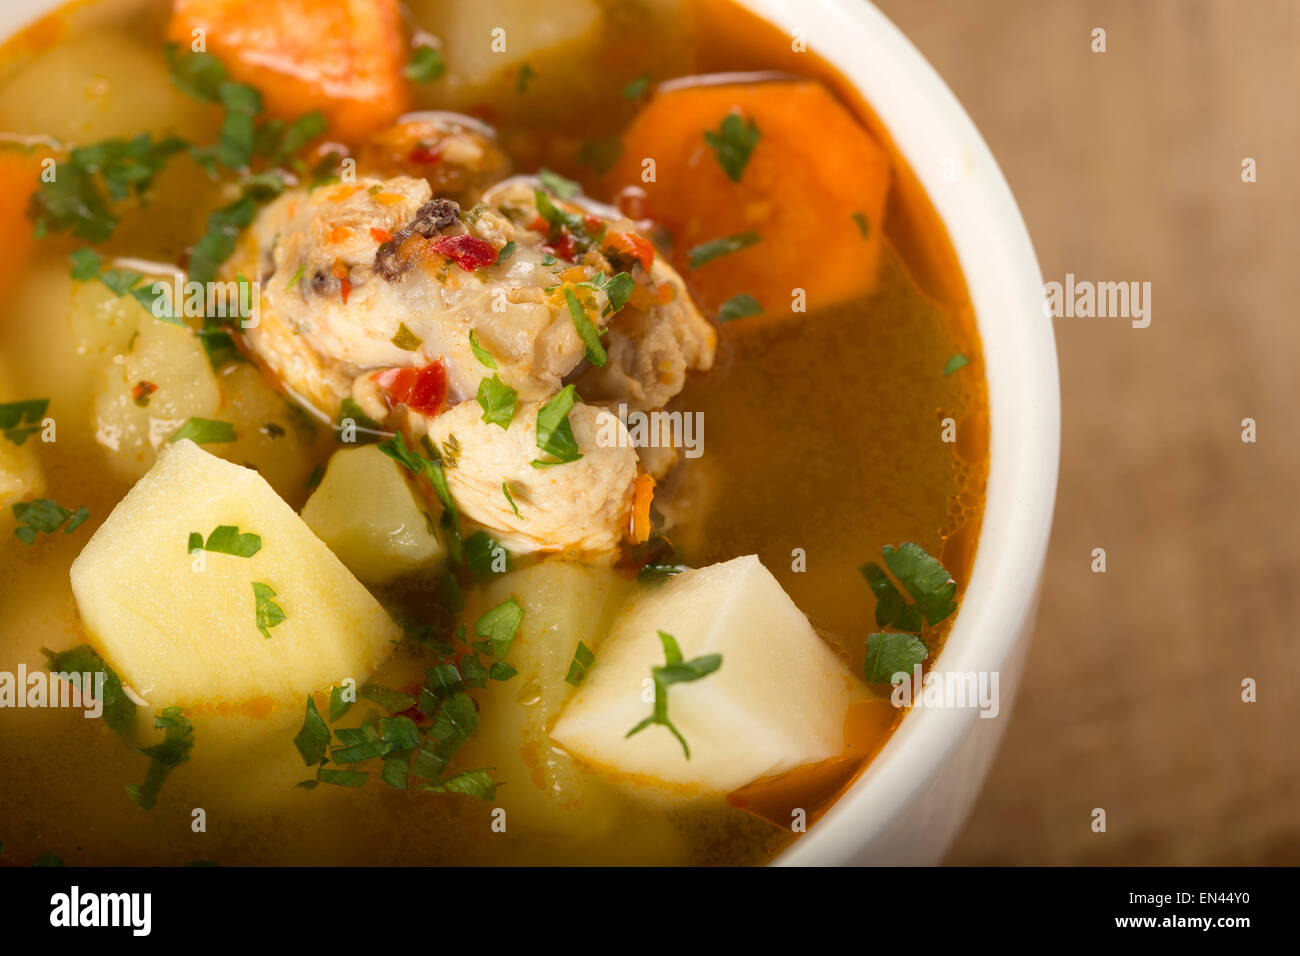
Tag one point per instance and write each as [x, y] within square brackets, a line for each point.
[345, 58]
[781, 165]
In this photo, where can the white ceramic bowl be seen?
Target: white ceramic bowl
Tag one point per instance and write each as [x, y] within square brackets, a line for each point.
[911, 801]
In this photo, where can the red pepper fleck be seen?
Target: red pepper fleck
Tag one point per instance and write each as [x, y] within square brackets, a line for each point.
[593, 224]
[340, 272]
[424, 154]
[141, 391]
[421, 390]
[632, 245]
[468, 252]
[380, 235]
[566, 247]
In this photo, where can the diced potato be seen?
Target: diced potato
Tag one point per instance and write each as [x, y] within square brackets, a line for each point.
[564, 602]
[778, 700]
[367, 513]
[277, 438]
[182, 628]
[20, 472]
[106, 82]
[149, 392]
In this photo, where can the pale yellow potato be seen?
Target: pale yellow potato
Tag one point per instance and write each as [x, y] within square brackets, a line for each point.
[20, 472]
[367, 513]
[564, 602]
[271, 435]
[96, 86]
[172, 360]
[778, 701]
[181, 629]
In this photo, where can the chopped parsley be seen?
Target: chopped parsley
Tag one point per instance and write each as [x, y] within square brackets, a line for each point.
[18, 420]
[173, 750]
[480, 353]
[313, 739]
[586, 330]
[524, 78]
[716, 248]
[119, 709]
[674, 671]
[498, 626]
[864, 227]
[482, 551]
[557, 185]
[958, 361]
[732, 142]
[43, 516]
[269, 614]
[432, 469]
[79, 199]
[505, 490]
[583, 658]
[226, 539]
[507, 251]
[405, 339]
[87, 265]
[426, 65]
[892, 653]
[600, 154]
[554, 433]
[739, 307]
[637, 88]
[497, 400]
[931, 588]
[204, 431]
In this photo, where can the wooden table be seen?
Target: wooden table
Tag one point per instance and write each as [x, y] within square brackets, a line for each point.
[1127, 165]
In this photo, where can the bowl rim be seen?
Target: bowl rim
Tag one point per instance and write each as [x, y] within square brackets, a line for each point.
[988, 234]
[928, 126]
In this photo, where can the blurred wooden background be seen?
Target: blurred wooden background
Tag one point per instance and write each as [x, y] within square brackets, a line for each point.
[1127, 166]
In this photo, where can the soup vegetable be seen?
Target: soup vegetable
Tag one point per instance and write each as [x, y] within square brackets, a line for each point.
[355, 368]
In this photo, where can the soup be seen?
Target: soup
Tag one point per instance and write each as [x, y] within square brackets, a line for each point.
[433, 441]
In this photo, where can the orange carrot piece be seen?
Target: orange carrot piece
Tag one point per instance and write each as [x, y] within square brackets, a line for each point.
[813, 188]
[343, 57]
[20, 171]
[643, 493]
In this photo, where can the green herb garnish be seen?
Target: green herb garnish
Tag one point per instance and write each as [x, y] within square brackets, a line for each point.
[732, 142]
[932, 589]
[269, 614]
[480, 353]
[204, 431]
[739, 307]
[497, 400]
[864, 227]
[636, 89]
[557, 185]
[498, 626]
[43, 516]
[958, 361]
[674, 671]
[716, 248]
[226, 539]
[426, 65]
[177, 742]
[405, 339]
[18, 420]
[554, 433]
[586, 331]
[583, 658]
[505, 490]
[892, 653]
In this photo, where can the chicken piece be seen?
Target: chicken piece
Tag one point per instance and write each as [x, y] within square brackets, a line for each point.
[378, 275]
[457, 155]
[581, 506]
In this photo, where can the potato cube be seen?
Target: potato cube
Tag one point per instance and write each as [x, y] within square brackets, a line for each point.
[188, 628]
[367, 513]
[564, 602]
[149, 392]
[778, 700]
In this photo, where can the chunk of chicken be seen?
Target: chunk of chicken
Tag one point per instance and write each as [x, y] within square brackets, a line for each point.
[377, 274]
[580, 506]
